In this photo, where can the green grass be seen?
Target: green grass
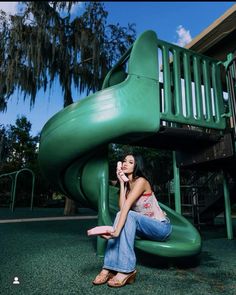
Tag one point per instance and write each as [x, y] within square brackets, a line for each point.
[57, 257]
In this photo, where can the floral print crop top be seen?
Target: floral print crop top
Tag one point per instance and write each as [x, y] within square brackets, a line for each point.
[147, 204]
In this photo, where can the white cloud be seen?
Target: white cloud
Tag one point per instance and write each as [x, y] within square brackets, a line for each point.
[184, 36]
[76, 7]
[9, 7]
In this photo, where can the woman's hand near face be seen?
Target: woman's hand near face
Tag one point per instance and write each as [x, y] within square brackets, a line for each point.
[118, 174]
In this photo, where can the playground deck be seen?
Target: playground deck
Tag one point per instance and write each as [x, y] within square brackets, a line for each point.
[56, 257]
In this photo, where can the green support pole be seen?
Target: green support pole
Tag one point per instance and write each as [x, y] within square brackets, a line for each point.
[228, 217]
[176, 185]
[14, 192]
[102, 208]
[32, 191]
[101, 243]
[99, 168]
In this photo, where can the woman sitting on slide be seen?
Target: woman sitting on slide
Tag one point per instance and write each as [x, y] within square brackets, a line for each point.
[139, 215]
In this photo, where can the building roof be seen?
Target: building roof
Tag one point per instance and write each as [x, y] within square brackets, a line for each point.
[219, 38]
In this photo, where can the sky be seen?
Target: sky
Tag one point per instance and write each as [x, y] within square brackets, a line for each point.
[174, 22]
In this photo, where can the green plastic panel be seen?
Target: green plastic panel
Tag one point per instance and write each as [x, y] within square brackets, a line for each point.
[130, 107]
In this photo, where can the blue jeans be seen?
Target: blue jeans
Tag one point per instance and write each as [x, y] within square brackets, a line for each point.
[120, 255]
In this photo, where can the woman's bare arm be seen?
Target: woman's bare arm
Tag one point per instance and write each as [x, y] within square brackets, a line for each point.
[122, 197]
[133, 195]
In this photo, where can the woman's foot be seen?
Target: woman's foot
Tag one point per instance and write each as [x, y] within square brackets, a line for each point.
[103, 277]
[121, 279]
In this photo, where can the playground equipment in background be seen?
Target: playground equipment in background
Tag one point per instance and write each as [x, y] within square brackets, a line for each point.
[14, 177]
[177, 105]
[202, 197]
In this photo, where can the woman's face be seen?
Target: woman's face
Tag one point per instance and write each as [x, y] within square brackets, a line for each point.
[128, 164]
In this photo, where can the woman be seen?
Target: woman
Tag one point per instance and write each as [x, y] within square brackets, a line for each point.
[139, 215]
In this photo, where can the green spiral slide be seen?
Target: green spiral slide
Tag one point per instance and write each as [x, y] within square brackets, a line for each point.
[73, 144]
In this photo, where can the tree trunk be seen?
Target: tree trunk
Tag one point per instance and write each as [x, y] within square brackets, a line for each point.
[70, 207]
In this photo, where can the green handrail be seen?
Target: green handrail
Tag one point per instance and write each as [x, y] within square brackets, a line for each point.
[14, 176]
[230, 65]
[192, 89]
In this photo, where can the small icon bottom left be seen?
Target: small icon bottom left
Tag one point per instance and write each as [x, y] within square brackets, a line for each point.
[16, 281]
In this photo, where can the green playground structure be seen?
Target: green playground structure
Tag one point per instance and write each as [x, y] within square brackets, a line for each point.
[158, 95]
[14, 178]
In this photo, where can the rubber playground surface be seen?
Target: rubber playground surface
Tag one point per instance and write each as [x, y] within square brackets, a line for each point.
[57, 257]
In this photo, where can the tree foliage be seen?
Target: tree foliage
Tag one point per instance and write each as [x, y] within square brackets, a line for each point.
[18, 146]
[41, 46]
[18, 149]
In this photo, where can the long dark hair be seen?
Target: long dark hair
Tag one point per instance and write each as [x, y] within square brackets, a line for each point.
[140, 169]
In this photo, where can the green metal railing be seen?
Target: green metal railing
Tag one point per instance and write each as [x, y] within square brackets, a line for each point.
[230, 65]
[14, 178]
[191, 91]
[189, 84]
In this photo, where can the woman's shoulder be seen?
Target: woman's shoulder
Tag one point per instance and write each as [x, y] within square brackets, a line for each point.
[141, 181]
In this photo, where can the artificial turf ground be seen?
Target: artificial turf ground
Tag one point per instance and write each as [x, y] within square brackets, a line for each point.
[57, 257]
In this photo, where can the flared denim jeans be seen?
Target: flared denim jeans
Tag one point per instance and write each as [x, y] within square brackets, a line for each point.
[120, 255]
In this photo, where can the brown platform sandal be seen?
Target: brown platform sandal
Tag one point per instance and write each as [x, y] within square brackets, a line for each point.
[103, 278]
[129, 279]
